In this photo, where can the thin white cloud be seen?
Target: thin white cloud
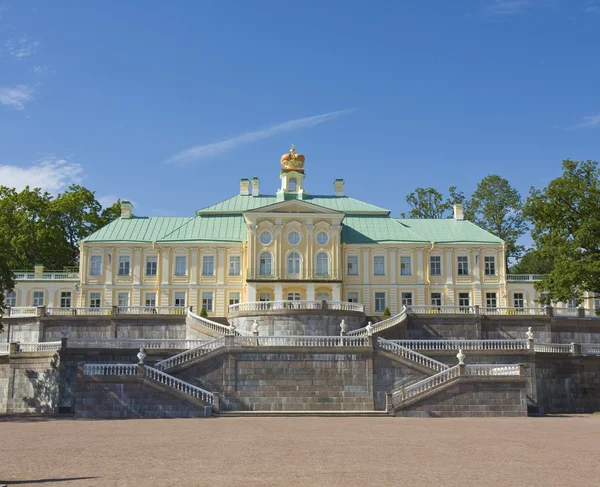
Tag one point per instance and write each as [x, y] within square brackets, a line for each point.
[41, 70]
[507, 7]
[17, 96]
[107, 200]
[210, 150]
[587, 122]
[50, 174]
[594, 9]
[20, 48]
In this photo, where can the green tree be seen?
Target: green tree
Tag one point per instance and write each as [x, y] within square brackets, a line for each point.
[532, 262]
[566, 230]
[430, 203]
[498, 208]
[7, 282]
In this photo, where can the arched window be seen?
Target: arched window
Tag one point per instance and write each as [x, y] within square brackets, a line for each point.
[292, 184]
[265, 264]
[293, 263]
[322, 296]
[322, 264]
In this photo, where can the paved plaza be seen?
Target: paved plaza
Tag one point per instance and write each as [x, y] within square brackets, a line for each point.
[320, 451]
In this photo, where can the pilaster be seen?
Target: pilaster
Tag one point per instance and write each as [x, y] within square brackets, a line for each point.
[449, 268]
[164, 265]
[420, 278]
[392, 257]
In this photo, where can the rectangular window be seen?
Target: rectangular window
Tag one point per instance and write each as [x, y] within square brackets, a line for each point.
[518, 300]
[405, 266]
[436, 299]
[151, 266]
[489, 263]
[264, 296]
[352, 265]
[180, 299]
[123, 300]
[597, 303]
[435, 265]
[353, 297]
[379, 302]
[11, 299]
[38, 298]
[572, 303]
[463, 265]
[65, 299]
[464, 301]
[180, 265]
[95, 300]
[124, 265]
[235, 265]
[234, 298]
[208, 266]
[407, 299]
[150, 300]
[95, 265]
[491, 301]
[379, 265]
[207, 301]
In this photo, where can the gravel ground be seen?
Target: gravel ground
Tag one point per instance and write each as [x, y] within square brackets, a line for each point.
[321, 451]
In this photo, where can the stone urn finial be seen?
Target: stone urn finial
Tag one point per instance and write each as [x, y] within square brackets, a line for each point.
[141, 356]
[529, 334]
[461, 357]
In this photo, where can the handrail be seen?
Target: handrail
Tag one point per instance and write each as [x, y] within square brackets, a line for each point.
[590, 348]
[22, 311]
[302, 341]
[381, 325]
[214, 326]
[109, 369]
[491, 370]
[84, 311]
[46, 276]
[156, 310]
[411, 355]
[39, 347]
[523, 277]
[4, 348]
[552, 347]
[405, 393]
[188, 355]
[178, 384]
[149, 343]
[295, 305]
[463, 344]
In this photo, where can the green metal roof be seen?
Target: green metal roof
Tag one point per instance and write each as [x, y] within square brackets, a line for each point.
[210, 228]
[449, 230]
[376, 229]
[137, 229]
[242, 203]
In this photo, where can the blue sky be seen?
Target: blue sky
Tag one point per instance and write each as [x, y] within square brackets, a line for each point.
[387, 95]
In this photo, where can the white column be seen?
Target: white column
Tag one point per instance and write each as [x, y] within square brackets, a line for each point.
[310, 291]
[393, 257]
[194, 267]
[164, 266]
[448, 268]
[251, 293]
[309, 260]
[336, 293]
[220, 265]
[477, 257]
[111, 257]
[278, 291]
[278, 270]
[366, 274]
[137, 265]
[420, 274]
[250, 250]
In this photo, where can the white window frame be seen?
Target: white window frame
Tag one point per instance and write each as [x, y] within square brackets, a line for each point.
[406, 266]
[440, 299]
[235, 265]
[518, 297]
[264, 296]
[39, 297]
[462, 265]
[293, 263]
[208, 265]
[179, 298]
[207, 301]
[464, 308]
[435, 262]
[379, 265]
[323, 296]
[265, 234]
[10, 299]
[352, 297]
[181, 266]
[294, 296]
[491, 300]
[489, 265]
[66, 301]
[265, 268]
[352, 266]
[324, 242]
[95, 265]
[289, 237]
[151, 265]
[293, 184]
[95, 299]
[406, 298]
[124, 270]
[322, 261]
[123, 299]
[378, 299]
[234, 297]
[150, 300]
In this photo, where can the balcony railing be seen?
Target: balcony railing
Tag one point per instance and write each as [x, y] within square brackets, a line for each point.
[523, 277]
[265, 274]
[46, 276]
[295, 305]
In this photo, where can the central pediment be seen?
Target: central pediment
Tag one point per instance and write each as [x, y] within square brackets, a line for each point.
[294, 206]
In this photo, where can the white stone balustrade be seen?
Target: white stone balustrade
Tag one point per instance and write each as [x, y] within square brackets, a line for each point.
[462, 344]
[21, 311]
[214, 326]
[304, 341]
[4, 348]
[295, 305]
[590, 348]
[112, 343]
[110, 369]
[552, 347]
[188, 355]
[404, 394]
[567, 312]
[381, 325]
[179, 385]
[410, 354]
[39, 347]
[152, 310]
[491, 370]
[47, 276]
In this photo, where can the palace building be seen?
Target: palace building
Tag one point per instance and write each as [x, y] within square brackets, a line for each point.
[292, 245]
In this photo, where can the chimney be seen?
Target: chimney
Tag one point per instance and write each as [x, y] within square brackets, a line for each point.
[255, 182]
[126, 209]
[244, 187]
[458, 212]
[338, 187]
[38, 270]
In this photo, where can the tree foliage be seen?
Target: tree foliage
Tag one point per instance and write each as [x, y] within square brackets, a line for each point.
[498, 208]
[566, 230]
[37, 228]
[430, 203]
[533, 262]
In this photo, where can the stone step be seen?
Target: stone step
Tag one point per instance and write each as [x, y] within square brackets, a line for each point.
[233, 414]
